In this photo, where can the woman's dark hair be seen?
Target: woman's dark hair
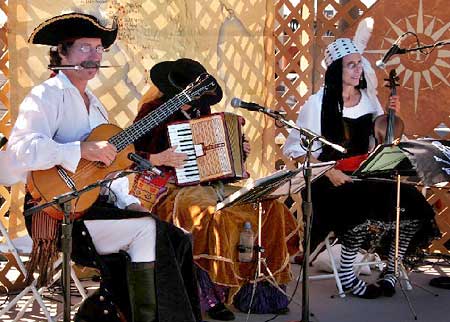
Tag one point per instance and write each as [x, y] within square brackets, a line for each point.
[332, 126]
[55, 57]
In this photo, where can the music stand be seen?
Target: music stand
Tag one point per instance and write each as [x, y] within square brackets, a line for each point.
[280, 183]
[393, 159]
[383, 161]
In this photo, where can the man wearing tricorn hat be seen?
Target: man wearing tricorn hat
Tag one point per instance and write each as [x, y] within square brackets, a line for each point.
[54, 119]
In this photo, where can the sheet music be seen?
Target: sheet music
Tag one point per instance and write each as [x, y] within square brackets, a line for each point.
[275, 185]
[384, 158]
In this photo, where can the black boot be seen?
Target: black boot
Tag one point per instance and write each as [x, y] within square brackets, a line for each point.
[143, 292]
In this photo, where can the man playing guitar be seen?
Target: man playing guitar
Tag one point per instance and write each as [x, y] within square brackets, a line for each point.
[53, 122]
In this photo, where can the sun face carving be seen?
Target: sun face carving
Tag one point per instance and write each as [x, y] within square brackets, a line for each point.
[419, 72]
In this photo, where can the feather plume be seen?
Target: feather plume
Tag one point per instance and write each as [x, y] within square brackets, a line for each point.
[363, 33]
[101, 15]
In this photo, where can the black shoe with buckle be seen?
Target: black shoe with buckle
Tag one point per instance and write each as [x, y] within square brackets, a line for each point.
[221, 313]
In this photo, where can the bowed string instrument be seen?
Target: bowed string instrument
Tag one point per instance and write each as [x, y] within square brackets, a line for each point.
[389, 127]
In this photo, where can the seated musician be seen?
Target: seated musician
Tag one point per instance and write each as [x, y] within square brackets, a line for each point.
[343, 112]
[53, 120]
[215, 233]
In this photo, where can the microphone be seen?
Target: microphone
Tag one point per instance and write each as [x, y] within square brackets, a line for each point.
[394, 50]
[143, 164]
[236, 102]
[83, 65]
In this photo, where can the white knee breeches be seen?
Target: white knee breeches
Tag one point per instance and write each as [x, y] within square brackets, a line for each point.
[136, 236]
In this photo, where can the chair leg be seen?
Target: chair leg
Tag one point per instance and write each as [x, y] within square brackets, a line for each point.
[37, 295]
[334, 267]
[78, 284]
[32, 287]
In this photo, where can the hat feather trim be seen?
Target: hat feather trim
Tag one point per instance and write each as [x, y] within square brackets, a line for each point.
[363, 33]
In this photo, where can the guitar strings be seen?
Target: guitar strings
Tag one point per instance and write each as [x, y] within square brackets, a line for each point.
[122, 139]
[136, 130]
[141, 127]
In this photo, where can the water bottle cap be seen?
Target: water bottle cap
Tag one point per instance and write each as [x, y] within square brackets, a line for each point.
[247, 225]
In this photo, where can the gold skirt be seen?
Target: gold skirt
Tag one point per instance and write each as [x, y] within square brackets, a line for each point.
[216, 234]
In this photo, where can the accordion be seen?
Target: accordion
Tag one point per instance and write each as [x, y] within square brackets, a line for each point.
[213, 144]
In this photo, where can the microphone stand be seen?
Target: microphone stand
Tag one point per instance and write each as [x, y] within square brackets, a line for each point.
[438, 44]
[402, 51]
[64, 202]
[310, 137]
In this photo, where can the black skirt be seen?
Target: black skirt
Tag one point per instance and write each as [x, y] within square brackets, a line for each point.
[342, 208]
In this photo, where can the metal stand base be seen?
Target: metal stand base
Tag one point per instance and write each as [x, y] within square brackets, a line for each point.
[399, 268]
[261, 262]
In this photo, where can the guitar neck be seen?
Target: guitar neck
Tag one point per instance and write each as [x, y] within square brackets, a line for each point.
[150, 121]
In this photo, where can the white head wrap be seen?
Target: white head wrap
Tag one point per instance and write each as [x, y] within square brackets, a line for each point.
[342, 47]
[339, 48]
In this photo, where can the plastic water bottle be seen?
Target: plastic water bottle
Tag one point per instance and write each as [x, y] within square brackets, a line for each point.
[246, 240]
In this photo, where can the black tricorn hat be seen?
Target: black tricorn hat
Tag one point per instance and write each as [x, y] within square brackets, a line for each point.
[171, 77]
[72, 26]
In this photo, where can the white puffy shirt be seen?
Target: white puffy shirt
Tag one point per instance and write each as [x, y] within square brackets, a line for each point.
[52, 122]
[309, 117]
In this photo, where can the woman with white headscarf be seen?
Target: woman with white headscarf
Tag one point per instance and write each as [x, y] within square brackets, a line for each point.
[343, 112]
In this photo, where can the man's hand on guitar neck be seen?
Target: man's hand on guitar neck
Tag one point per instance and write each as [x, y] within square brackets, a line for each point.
[102, 151]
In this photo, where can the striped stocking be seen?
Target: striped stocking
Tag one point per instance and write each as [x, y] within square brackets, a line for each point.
[407, 232]
[351, 241]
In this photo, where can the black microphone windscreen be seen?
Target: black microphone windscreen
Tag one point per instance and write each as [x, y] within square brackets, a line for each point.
[134, 157]
[235, 102]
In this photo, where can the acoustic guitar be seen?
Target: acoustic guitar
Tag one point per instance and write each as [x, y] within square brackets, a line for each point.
[44, 185]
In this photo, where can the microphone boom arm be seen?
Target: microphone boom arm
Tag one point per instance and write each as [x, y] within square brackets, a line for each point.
[310, 135]
[438, 44]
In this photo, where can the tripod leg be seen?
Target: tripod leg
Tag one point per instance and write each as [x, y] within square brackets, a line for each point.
[411, 308]
[271, 279]
[257, 272]
[407, 282]
[403, 276]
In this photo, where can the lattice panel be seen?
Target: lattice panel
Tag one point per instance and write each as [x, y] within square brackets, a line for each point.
[5, 204]
[440, 199]
[293, 37]
[226, 36]
[258, 50]
[300, 39]
[4, 71]
[7, 282]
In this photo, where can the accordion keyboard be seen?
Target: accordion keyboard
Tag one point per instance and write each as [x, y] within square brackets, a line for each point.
[180, 135]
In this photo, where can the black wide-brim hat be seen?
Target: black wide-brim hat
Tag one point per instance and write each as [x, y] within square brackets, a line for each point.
[73, 25]
[171, 77]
